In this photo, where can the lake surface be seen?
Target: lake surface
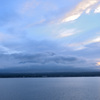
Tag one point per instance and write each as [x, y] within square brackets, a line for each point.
[74, 88]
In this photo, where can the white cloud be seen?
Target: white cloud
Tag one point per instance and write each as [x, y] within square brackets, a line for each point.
[88, 11]
[72, 17]
[93, 41]
[82, 45]
[6, 50]
[66, 33]
[84, 5]
[97, 10]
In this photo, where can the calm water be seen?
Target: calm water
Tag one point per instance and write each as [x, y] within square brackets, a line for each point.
[50, 88]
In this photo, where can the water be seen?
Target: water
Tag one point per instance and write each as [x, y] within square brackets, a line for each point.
[80, 88]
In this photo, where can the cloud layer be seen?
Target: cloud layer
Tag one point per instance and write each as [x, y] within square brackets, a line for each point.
[31, 34]
[83, 6]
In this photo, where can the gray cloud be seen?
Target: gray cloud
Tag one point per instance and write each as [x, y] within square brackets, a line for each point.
[46, 58]
[32, 46]
[92, 51]
[40, 59]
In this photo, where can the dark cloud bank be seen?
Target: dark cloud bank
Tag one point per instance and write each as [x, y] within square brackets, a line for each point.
[43, 62]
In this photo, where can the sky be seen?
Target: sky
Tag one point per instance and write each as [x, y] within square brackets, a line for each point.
[50, 33]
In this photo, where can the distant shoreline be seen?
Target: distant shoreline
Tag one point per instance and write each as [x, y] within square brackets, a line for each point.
[52, 74]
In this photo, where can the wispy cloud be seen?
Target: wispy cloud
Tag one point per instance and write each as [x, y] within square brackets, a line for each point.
[84, 6]
[37, 23]
[97, 39]
[32, 4]
[66, 33]
[6, 50]
[83, 45]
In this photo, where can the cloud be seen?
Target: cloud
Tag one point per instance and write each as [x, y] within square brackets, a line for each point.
[32, 46]
[97, 39]
[42, 21]
[66, 33]
[97, 10]
[84, 45]
[6, 50]
[88, 10]
[84, 5]
[29, 5]
[91, 51]
[46, 59]
[49, 60]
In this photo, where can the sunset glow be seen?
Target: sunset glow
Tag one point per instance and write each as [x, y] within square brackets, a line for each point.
[98, 64]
